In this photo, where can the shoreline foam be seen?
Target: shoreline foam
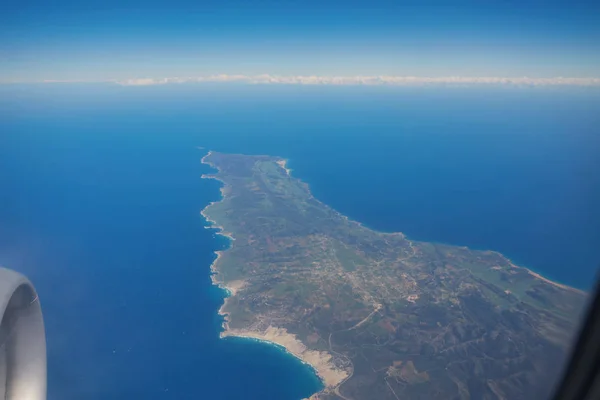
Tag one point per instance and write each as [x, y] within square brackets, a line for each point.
[319, 362]
[220, 230]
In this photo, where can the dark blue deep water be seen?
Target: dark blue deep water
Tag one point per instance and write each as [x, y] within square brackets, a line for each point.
[100, 195]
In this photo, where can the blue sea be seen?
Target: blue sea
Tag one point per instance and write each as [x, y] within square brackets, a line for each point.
[100, 199]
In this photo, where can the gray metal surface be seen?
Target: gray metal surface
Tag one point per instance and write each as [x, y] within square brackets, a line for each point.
[22, 340]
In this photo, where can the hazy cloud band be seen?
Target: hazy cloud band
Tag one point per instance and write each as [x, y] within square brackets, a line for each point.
[364, 80]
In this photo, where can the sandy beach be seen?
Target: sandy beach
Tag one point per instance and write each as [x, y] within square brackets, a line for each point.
[538, 276]
[283, 164]
[553, 283]
[318, 360]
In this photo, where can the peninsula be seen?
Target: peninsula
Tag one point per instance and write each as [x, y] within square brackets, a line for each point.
[379, 316]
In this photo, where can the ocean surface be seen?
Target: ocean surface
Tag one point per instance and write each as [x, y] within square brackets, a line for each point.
[100, 199]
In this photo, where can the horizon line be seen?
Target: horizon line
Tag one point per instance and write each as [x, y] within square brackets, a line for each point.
[369, 80]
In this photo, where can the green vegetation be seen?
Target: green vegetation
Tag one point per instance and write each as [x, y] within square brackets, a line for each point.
[405, 319]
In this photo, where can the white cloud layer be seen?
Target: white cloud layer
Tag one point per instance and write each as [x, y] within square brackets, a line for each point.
[366, 80]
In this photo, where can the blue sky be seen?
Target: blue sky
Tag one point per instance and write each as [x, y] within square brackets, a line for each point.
[99, 40]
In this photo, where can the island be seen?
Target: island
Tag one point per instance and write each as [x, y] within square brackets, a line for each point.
[377, 315]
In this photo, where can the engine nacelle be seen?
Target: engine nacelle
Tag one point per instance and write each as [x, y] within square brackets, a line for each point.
[22, 339]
